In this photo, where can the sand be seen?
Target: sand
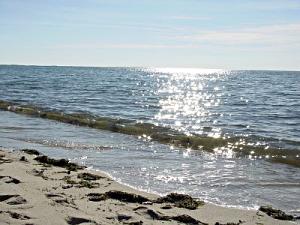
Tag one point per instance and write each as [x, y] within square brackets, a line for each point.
[36, 193]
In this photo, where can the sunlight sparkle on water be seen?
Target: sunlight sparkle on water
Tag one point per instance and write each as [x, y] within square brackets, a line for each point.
[189, 93]
[185, 71]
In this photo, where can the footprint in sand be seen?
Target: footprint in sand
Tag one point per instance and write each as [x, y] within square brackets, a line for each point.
[16, 215]
[61, 199]
[78, 220]
[9, 179]
[12, 199]
[4, 160]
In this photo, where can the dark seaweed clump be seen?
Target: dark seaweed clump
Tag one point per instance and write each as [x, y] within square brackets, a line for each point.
[187, 219]
[118, 195]
[126, 197]
[229, 223]
[180, 218]
[276, 213]
[96, 197]
[79, 220]
[181, 201]
[59, 162]
[89, 176]
[31, 151]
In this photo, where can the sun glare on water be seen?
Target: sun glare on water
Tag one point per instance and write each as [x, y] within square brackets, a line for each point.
[186, 71]
[187, 98]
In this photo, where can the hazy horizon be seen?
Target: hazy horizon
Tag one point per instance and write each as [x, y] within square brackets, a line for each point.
[174, 67]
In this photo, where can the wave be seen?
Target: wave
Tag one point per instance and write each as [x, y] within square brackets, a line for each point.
[70, 145]
[237, 146]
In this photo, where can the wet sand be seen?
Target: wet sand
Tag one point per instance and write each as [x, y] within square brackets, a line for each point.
[36, 192]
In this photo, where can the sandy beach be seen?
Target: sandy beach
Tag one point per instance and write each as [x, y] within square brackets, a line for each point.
[35, 191]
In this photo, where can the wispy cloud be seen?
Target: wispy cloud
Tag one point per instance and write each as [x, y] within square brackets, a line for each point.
[271, 5]
[285, 34]
[134, 26]
[190, 18]
[123, 46]
[263, 36]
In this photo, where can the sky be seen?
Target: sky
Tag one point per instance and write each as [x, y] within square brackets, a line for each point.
[217, 34]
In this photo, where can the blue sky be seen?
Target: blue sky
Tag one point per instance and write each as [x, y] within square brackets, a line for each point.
[229, 34]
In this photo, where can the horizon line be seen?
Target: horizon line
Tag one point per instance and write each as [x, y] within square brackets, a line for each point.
[131, 66]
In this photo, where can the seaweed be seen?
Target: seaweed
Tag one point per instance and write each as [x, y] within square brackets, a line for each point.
[78, 220]
[68, 180]
[118, 195]
[276, 213]
[96, 197]
[59, 162]
[31, 151]
[89, 176]
[81, 183]
[179, 218]
[187, 219]
[88, 184]
[181, 201]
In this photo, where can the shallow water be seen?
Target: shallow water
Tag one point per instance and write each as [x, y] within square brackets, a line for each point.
[263, 106]
[153, 167]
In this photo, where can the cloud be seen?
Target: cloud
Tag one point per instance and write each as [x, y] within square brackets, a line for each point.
[248, 38]
[284, 34]
[272, 5]
[123, 46]
[190, 18]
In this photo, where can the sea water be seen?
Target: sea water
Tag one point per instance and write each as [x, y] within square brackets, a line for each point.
[262, 107]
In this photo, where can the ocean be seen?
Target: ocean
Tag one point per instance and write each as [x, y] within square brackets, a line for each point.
[241, 128]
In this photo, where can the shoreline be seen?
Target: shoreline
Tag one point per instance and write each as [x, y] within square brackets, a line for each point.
[41, 190]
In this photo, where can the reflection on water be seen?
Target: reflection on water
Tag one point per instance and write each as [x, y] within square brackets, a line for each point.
[238, 182]
[186, 97]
